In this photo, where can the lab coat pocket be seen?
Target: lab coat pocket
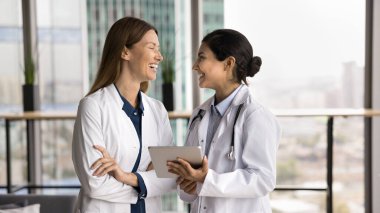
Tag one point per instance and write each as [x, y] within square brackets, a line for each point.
[220, 155]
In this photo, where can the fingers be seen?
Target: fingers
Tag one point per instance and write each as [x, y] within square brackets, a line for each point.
[179, 180]
[176, 168]
[109, 169]
[173, 170]
[107, 165]
[102, 150]
[205, 164]
[191, 188]
[184, 169]
[100, 171]
[199, 174]
[186, 184]
[102, 165]
[205, 160]
[99, 162]
[185, 164]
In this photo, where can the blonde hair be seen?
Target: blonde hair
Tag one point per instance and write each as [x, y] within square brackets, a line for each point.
[123, 33]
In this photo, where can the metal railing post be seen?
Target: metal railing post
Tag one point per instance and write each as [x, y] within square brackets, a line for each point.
[8, 157]
[330, 141]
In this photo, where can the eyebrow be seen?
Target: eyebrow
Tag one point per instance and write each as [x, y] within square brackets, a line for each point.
[149, 42]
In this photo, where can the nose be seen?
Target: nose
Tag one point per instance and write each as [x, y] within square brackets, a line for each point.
[159, 57]
[195, 66]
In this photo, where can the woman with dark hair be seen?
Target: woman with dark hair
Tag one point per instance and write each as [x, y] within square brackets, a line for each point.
[239, 137]
[116, 122]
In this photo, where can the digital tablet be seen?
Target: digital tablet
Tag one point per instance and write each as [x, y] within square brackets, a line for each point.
[160, 155]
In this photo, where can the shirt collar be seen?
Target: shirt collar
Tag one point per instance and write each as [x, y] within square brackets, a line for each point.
[222, 107]
[127, 106]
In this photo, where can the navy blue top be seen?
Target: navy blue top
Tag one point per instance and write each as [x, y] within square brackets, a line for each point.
[135, 115]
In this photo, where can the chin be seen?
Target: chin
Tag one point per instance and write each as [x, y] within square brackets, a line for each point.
[202, 85]
[152, 77]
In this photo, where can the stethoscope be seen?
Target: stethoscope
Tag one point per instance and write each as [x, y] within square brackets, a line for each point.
[231, 153]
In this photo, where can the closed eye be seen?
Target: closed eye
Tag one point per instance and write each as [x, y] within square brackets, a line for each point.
[200, 58]
[156, 49]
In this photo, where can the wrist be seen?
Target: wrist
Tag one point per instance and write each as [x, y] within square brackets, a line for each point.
[131, 179]
[202, 178]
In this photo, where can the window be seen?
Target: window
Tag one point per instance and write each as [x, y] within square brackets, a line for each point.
[11, 77]
[313, 57]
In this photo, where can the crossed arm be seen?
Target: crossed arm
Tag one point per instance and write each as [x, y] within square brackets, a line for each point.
[107, 164]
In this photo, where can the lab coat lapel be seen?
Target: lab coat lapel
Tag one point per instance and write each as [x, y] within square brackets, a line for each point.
[241, 96]
[202, 127]
[149, 130]
[230, 114]
[126, 124]
[222, 125]
[202, 131]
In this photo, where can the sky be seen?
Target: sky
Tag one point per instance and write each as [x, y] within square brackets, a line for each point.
[299, 39]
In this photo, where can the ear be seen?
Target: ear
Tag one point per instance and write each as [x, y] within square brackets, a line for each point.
[229, 63]
[125, 54]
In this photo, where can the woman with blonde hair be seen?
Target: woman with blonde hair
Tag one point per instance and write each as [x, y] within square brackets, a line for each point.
[116, 122]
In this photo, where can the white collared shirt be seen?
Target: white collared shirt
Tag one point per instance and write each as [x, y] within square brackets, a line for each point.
[216, 114]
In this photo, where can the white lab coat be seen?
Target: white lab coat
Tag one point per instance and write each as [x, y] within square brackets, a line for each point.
[242, 185]
[101, 120]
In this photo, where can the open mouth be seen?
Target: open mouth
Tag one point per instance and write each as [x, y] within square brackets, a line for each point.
[201, 75]
[153, 66]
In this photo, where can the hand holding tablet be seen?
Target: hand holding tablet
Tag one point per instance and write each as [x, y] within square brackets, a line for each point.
[160, 155]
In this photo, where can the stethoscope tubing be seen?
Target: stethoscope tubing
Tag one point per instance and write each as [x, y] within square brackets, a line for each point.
[231, 154]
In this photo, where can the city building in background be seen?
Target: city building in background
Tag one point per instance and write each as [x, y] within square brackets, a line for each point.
[62, 53]
[161, 14]
[11, 60]
[353, 85]
[213, 18]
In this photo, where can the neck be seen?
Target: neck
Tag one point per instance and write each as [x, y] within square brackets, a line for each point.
[129, 90]
[224, 91]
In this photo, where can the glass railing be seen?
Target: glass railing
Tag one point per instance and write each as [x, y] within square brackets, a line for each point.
[319, 163]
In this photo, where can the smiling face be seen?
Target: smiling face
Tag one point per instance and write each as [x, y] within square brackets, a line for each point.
[143, 57]
[211, 72]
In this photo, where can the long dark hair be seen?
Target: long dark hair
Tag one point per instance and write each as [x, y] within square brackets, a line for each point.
[225, 43]
[123, 33]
